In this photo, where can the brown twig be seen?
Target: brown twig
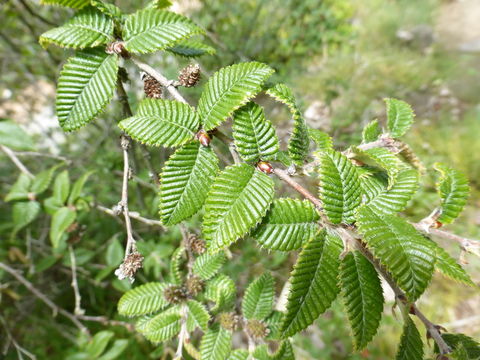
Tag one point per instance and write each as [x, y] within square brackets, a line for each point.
[133, 215]
[56, 309]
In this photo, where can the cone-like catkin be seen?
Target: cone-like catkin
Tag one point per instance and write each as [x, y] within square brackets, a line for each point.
[189, 76]
[152, 87]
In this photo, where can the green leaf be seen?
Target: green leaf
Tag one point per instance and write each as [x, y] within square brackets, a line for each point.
[288, 225]
[151, 30]
[399, 117]
[191, 48]
[144, 299]
[78, 187]
[321, 139]
[42, 180]
[313, 282]
[206, 265]
[382, 158]
[339, 188]
[221, 290]
[411, 345]
[258, 299]
[371, 132]
[237, 201]
[238, 354]
[99, 343]
[185, 182]
[24, 213]
[274, 323]
[163, 327]
[216, 344]
[396, 199]
[61, 220]
[106, 8]
[405, 253]
[85, 87]
[162, 122]
[254, 135]
[75, 4]
[284, 352]
[88, 28]
[117, 348]
[454, 190]
[114, 254]
[158, 4]
[176, 265]
[471, 346]
[228, 89]
[14, 137]
[198, 316]
[20, 189]
[61, 187]
[450, 268]
[299, 140]
[363, 297]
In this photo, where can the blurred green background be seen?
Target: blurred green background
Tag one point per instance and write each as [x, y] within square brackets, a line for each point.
[342, 57]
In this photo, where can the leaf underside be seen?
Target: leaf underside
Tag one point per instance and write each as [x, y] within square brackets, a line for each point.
[411, 345]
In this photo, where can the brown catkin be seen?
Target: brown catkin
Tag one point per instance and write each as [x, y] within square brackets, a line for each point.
[151, 87]
[189, 76]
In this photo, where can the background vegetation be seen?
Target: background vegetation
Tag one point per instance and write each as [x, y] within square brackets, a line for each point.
[342, 57]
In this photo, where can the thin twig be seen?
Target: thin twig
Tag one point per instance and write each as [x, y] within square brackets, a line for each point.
[76, 291]
[11, 154]
[133, 215]
[130, 247]
[106, 321]
[468, 245]
[160, 78]
[20, 350]
[56, 309]
[39, 154]
[183, 335]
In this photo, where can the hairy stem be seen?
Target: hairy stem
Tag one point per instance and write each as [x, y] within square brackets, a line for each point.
[76, 291]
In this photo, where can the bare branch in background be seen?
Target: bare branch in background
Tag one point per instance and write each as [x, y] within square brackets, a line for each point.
[11, 154]
[78, 298]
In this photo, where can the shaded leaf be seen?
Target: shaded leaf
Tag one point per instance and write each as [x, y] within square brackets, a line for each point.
[411, 345]
[258, 299]
[61, 220]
